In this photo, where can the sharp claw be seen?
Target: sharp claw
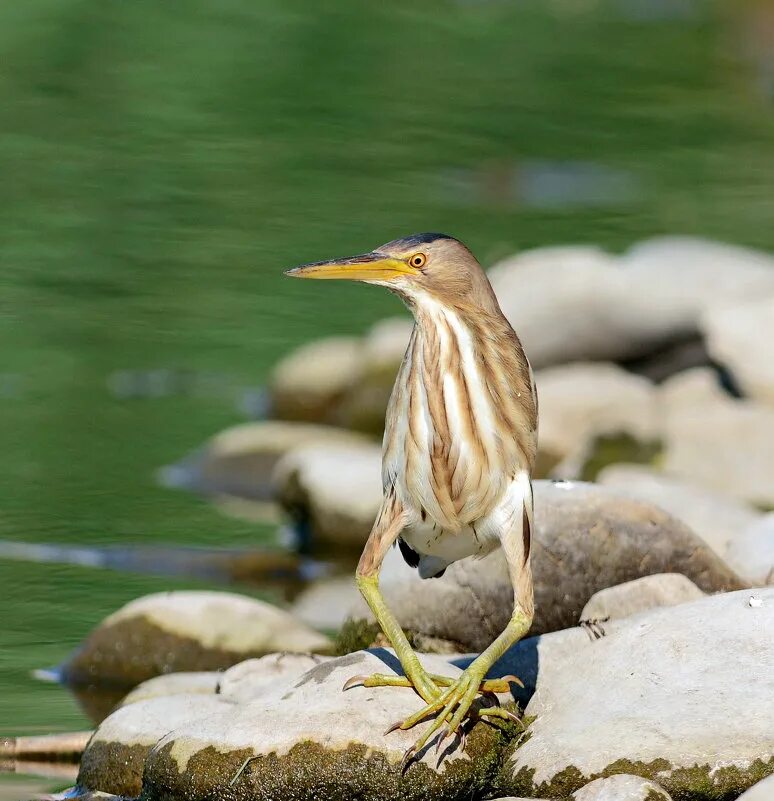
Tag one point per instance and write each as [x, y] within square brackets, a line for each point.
[514, 679]
[491, 697]
[392, 727]
[407, 757]
[353, 682]
[441, 737]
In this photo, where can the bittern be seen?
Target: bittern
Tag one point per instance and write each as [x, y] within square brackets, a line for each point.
[459, 447]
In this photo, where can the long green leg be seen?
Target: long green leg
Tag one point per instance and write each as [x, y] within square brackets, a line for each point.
[416, 674]
[461, 694]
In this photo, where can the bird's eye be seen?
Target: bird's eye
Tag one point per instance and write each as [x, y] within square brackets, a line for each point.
[418, 260]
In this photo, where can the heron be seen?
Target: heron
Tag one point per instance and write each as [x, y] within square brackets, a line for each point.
[459, 447]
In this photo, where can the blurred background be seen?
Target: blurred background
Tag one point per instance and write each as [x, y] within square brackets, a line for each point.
[162, 163]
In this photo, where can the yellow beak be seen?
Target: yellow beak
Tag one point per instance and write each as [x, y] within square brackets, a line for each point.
[368, 267]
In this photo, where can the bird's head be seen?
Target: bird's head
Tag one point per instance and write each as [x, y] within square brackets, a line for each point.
[415, 267]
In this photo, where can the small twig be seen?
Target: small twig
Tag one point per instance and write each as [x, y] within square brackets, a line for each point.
[241, 770]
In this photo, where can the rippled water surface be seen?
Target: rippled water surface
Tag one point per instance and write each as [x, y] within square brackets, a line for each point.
[161, 164]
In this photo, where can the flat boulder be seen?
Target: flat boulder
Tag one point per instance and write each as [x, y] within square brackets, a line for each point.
[638, 595]
[306, 739]
[647, 698]
[255, 677]
[586, 538]
[185, 631]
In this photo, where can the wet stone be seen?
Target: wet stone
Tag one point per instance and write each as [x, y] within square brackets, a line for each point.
[115, 756]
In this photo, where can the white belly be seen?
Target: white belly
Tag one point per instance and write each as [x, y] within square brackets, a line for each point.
[438, 548]
[429, 540]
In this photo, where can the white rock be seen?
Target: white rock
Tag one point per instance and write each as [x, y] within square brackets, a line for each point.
[308, 737]
[718, 441]
[323, 605]
[622, 787]
[385, 345]
[255, 677]
[114, 757]
[654, 689]
[751, 553]
[193, 630]
[306, 384]
[648, 592]
[337, 487]
[563, 303]
[761, 791]
[739, 336]
[579, 402]
[674, 279]
[577, 302]
[717, 518]
[237, 462]
[202, 682]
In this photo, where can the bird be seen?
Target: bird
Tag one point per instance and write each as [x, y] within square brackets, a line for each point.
[458, 452]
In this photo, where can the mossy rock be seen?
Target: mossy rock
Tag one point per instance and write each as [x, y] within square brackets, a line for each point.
[309, 740]
[185, 631]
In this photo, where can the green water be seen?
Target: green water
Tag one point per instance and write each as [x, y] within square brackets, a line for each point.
[160, 163]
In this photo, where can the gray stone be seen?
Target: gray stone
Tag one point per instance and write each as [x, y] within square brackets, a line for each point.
[237, 463]
[306, 739]
[751, 553]
[718, 441]
[647, 700]
[324, 604]
[203, 682]
[570, 312]
[336, 490]
[185, 631]
[639, 595]
[621, 787]
[717, 518]
[115, 756]
[739, 336]
[760, 791]
[672, 280]
[585, 304]
[579, 402]
[254, 677]
[309, 382]
[586, 538]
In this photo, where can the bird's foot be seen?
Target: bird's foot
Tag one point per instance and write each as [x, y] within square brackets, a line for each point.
[451, 703]
[434, 684]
